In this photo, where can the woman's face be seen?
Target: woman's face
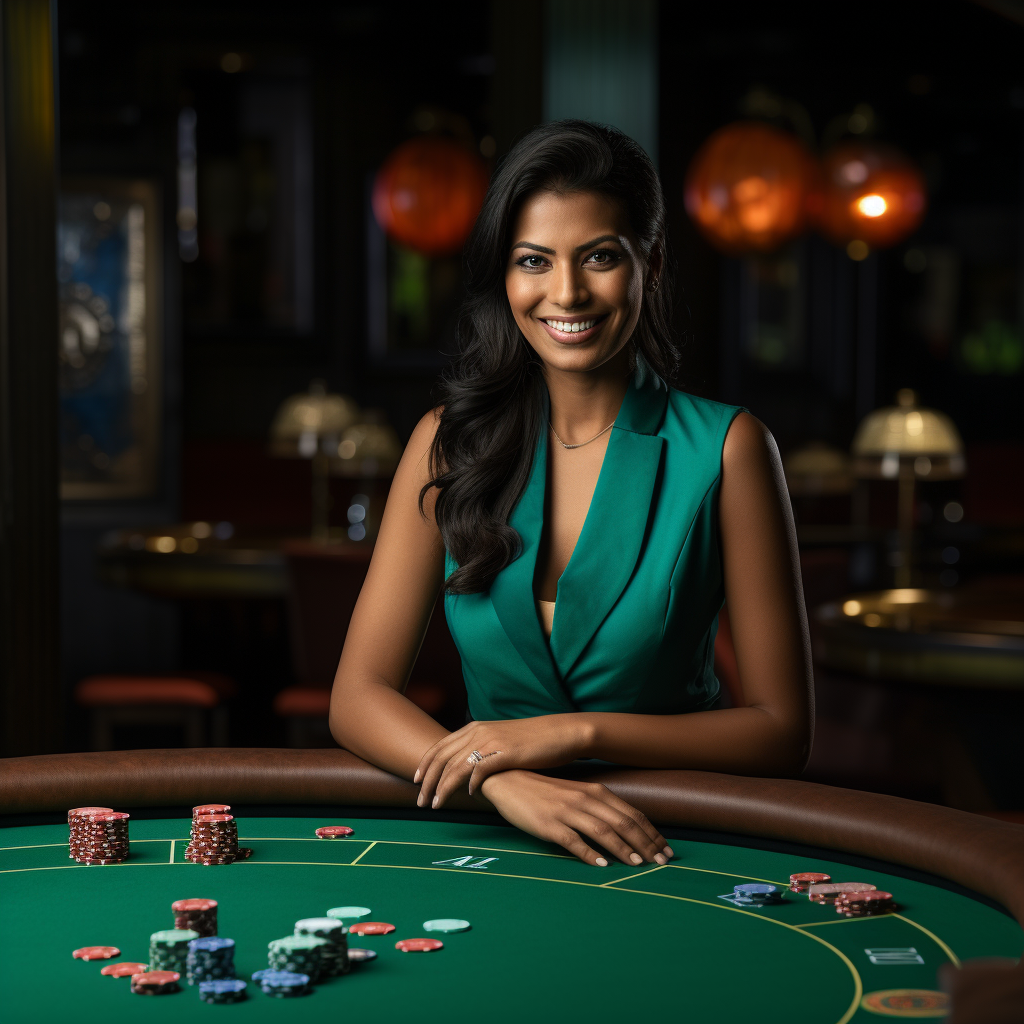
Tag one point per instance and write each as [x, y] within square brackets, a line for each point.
[574, 278]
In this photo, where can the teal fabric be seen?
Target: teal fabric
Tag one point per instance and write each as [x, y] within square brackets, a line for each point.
[637, 606]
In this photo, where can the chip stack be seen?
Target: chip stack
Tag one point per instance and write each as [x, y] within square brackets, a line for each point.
[230, 990]
[829, 892]
[802, 880]
[865, 904]
[283, 984]
[155, 983]
[756, 894]
[334, 955]
[168, 949]
[210, 959]
[97, 835]
[299, 954]
[214, 839]
[197, 915]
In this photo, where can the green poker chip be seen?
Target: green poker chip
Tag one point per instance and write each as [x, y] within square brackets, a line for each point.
[349, 913]
[447, 925]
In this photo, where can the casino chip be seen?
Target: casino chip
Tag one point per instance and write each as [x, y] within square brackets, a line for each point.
[361, 956]
[96, 953]
[155, 983]
[802, 879]
[283, 984]
[226, 990]
[344, 914]
[197, 915]
[419, 945]
[334, 832]
[124, 969]
[756, 893]
[370, 928]
[829, 892]
[446, 925]
[333, 956]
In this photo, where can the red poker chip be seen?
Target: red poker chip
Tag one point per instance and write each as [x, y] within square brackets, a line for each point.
[124, 969]
[371, 928]
[419, 945]
[106, 817]
[96, 953]
[156, 978]
[334, 832]
[210, 809]
[209, 819]
[76, 811]
[244, 853]
[192, 905]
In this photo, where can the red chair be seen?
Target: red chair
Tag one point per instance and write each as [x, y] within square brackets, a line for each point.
[323, 584]
[190, 700]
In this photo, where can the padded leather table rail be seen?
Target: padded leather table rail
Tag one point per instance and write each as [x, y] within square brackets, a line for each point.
[979, 853]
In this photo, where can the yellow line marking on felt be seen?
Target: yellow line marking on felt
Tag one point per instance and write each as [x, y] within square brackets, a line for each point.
[364, 853]
[931, 935]
[728, 874]
[615, 881]
[170, 860]
[403, 842]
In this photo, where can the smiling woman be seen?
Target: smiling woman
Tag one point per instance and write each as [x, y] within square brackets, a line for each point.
[586, 521]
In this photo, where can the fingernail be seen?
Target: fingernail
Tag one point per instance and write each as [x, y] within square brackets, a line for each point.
[433, 803]
[416, 777]
[668, 852]
[601, 862]
[636, 858]
[419, 800]
[661, 858]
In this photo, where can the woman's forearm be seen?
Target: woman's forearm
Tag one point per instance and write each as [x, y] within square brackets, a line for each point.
[741, 741]
[378, 723]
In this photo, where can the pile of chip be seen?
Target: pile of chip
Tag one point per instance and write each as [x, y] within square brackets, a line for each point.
[227, 990]
[333, 956]
[299, 954]
[803, 880]
[214, 839]
[197, 915]
[97, 835]
[155, 983]
[168, 949]
[756, 894]
[829, 892]
[283, 984]
[210, 959]
[865, 904]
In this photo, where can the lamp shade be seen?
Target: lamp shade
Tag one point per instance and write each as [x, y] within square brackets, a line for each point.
[926, 437]
[428, 193]
[304, 418]
[869, 192]
[746, 187]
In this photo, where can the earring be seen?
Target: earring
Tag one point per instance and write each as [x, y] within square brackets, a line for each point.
[653, 286]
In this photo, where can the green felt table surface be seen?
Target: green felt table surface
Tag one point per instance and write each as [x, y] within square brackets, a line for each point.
[551, 938]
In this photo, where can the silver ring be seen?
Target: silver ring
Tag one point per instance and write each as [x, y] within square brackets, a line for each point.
[475, 758]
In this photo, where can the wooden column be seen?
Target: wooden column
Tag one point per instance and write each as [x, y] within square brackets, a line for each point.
[30, 699]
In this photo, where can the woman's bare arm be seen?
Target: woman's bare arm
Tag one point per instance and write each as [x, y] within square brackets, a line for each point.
[369, 713]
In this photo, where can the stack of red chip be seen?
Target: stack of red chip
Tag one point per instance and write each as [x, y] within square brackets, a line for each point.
[214, 839]
[197, 915]
[155, 983]
[124, 969]
[97, 835]
[865, 904]
[802, 880]
[830, 892]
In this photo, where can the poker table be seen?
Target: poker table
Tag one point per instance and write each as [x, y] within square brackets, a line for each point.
[551, 938]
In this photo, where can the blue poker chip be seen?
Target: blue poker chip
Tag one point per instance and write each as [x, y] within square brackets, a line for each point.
[222, 986]
[755, 890]
[281, 979]
[361, 956]
[211, 944]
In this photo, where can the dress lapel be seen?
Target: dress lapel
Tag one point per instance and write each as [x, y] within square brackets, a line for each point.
[512, 590]
[613, 532]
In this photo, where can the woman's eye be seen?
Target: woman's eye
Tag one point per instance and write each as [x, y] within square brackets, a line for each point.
[602, 257]
[532, 262]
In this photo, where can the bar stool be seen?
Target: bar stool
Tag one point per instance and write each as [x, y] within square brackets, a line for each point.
[191, 701]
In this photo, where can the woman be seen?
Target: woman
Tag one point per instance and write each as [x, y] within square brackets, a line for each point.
[587, 523]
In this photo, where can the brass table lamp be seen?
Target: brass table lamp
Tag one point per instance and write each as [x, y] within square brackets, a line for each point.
[907, 443]
[310, 426]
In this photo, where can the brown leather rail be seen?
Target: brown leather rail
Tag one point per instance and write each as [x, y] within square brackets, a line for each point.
[979, 853]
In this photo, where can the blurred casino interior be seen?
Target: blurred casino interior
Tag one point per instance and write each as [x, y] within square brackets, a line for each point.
[259, 210]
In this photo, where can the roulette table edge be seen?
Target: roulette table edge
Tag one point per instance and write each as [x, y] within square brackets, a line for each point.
[980, 854]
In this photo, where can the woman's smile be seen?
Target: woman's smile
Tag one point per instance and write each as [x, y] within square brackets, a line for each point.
[573, 330]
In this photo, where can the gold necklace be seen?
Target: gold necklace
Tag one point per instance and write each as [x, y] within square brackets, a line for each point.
[582, 443]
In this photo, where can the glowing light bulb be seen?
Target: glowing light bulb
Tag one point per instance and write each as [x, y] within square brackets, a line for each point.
[872, 206]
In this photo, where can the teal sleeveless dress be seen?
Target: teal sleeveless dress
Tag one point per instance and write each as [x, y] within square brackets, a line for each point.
[637, 606]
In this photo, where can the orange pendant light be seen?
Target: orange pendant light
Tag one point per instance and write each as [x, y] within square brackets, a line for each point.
[746, 187]
[428, 193]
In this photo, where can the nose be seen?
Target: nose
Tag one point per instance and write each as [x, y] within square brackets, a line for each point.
[566, 287]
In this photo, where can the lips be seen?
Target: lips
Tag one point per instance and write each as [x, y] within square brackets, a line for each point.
[575, 329]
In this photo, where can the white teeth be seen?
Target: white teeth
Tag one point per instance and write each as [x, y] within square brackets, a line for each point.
[572, 328]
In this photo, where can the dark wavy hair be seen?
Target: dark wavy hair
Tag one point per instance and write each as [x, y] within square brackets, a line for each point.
[492, 400]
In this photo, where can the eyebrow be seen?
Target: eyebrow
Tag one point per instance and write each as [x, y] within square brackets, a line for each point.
[579, 248]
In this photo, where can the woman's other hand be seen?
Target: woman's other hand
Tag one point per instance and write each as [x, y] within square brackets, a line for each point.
[546, 741]
[574, 814]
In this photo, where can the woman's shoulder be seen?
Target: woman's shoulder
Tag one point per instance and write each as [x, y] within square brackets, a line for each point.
[691, 413]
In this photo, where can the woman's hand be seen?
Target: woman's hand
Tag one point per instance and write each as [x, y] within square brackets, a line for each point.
[571, 813]
[543, 742]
